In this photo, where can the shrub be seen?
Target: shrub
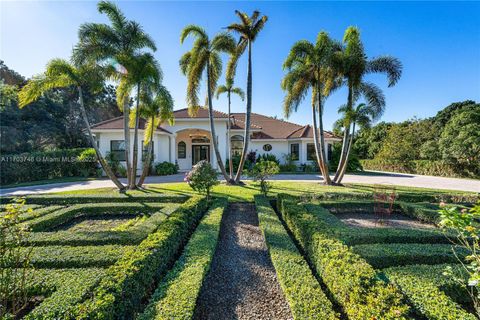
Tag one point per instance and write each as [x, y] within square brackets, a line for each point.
[261, 171]
[166, 168]
[351, 280]
[288, 167]
[202, 178]
[302, 290]
[67, 199]
[120, 292]
[176, 295]
[423, 167]
[88, 163]
[353, 161]
[267, 157]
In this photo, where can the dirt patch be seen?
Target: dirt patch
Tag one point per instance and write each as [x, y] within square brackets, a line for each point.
[371, 220]
[242, 283]
[100, 223]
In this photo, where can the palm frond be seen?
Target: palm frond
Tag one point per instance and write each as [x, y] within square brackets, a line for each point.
[295, 96]
[193, 30]
[138, 38]
[39, 85]
[374, 97]
[258, 27]
[114, 14]
[221, 90]
[239, 92]
[386, 64]
[185, 62]
[298, 52]
[223, 42]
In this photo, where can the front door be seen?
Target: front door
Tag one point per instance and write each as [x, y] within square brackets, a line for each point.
[199, 153]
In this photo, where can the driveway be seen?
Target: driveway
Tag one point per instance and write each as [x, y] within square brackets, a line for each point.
[370, 177]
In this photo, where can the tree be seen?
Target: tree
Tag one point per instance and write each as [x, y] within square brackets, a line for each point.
[61, 74]
[157, 107]
[204, 57]
[262, 171]
[116, 44]
[354, 65]
[229, 89]
[248, 30]
[202, 178]
[311, 67]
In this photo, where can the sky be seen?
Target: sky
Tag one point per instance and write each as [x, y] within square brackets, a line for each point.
[438, 44]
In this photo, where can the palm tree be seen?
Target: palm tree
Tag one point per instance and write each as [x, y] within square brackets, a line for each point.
[62, 74]
[229, 89]
[248, 29]
[311, 67]
[205, 56]
[363, 115]
[157, 107]
[114, 44]
[354, 65]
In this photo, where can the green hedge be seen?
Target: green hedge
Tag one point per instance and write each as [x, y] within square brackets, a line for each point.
[26, 167]
[302, 290]
[398, 254]
[176, 295]
[63, 288]
[422, 211]
[133, 235]
[351, 280]
[75, 257]
[423, 167]
[336, 229]
[424, 286]
[119, 294]
[68, 199]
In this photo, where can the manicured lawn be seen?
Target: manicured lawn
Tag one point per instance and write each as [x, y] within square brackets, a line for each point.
[43, 182]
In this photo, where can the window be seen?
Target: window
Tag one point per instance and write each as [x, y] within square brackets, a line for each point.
[295, 151]
[117, 149]
[267, 147]
[311, 152]
[182, 150]
[236, 143]
[330, 152]
[145, 150]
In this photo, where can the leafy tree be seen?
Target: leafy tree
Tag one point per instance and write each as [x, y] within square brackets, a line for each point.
[248, 29]
[311, 67]
[61, 74]
[368, 141]
[204, 57]
[9, 76]
[117, 44]
[263, 170]
[157, 107]
[202, 178]
[460, 140]
[354, 65]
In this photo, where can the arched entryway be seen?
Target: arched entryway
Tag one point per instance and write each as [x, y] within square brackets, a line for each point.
[192, 146]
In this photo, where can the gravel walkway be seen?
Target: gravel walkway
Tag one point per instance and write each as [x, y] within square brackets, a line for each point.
[242, 283]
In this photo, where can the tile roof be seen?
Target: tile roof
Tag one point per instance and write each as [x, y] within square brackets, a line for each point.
[117, 123]
[202, 113]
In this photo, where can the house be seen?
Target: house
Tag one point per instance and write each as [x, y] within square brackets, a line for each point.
[189, 140]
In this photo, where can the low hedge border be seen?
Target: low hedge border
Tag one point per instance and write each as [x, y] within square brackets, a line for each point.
[133, 235]
[424, 285]
[176, 295]
[352, 281]
[68, 199]
[399, 254]
[59, 217]
[120, 292]
[75, 257]
[64, 288]
[302, 290]
[353, 236]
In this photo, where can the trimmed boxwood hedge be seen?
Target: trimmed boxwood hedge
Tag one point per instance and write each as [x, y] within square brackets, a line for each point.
[63, 288]
[336, 229]
[176, 295]
[302, 290]
[398, 254]
[351, 280]
[75, 257]
[120, 292]
[424, 286]
[66, 199]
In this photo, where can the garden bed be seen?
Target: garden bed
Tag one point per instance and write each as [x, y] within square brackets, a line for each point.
[371, 220]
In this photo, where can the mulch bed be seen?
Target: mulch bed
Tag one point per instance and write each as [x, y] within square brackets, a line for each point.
[242, 283]
[371, 220]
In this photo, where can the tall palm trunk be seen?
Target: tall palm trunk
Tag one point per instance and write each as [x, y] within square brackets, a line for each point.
[229, 147]
[133, 182]
[212, 126]
[103, 163]
[343, 169]
[246, 137]
[323, 164]
[346, 135]
[146, 163]
[316, 141]
[126, 133]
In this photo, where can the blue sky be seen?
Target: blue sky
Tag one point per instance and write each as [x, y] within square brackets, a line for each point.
[437, 42]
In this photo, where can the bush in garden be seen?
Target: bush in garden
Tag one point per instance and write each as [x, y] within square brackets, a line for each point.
[202, 178]
[465, 224]
[261, 171]
[87, 163]
[267, 157]
[13, 280]
[117, 168]
[166, 168]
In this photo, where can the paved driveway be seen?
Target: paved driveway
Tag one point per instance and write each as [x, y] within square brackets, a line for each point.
[409, 180]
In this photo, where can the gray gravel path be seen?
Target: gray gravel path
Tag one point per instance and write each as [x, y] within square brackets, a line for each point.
[242, 283]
